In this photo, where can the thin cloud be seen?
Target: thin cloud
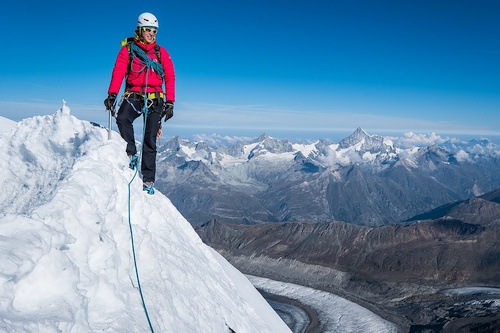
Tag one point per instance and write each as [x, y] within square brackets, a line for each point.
[217, 116]
[210, 118]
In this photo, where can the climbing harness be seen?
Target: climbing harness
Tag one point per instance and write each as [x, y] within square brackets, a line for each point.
[133, 106]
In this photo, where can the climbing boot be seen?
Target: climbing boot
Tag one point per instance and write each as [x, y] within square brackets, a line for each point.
[148, 187]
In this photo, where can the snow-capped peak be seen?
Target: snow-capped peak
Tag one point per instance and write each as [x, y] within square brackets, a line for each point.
[267, 144]
[363, 142]
[358, 136]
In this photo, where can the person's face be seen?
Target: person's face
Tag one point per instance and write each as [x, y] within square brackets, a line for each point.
[148, 34]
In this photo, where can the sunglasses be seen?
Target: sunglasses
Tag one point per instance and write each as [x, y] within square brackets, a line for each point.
[152, 30]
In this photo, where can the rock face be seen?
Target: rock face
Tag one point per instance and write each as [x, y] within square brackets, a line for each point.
[440, 252]
[395, 269]
[481, 210]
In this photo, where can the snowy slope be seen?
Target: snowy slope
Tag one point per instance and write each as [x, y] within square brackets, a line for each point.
[65, 244]
[6, 125]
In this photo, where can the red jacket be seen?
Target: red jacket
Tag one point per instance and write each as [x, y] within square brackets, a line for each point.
[136, 80]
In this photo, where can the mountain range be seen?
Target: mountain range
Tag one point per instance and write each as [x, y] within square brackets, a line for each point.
[364, 179]
[68, 244]
[388, 226]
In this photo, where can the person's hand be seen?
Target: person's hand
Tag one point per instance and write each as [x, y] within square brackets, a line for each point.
[168, 110]
[109, 102]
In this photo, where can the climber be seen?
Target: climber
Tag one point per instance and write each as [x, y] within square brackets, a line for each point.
[147, 68]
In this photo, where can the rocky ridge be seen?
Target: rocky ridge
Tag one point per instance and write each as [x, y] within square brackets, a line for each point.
[398, 270]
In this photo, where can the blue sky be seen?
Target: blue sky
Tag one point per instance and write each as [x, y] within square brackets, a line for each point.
[296, 69]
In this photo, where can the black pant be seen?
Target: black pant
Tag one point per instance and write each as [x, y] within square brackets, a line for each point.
[129, 111]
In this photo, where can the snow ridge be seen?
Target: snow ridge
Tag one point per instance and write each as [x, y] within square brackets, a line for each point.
[66, 251]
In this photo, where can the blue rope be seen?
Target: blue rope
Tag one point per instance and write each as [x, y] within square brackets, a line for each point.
[132, 236]
[145, 111]
[148, 62]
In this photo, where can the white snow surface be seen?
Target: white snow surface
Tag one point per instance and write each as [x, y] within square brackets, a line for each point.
[6, 125]
[67, 263]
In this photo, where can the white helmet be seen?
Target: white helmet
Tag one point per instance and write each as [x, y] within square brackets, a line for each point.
[147, 20]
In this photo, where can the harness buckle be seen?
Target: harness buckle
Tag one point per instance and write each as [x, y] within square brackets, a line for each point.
[155, 95]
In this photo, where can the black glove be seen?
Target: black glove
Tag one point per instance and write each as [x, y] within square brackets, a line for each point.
[109, 102]
[168, 110]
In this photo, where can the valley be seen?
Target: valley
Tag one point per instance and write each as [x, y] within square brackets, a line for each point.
[417, 275]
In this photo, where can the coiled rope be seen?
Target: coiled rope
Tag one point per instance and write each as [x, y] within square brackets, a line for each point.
[148, 62]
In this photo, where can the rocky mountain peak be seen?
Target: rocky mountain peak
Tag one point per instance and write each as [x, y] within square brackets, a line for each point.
[434, 154]
[174, 144]
[359, 135]
[362, 141]
[263, 137]
[270, 144]
[481, 142]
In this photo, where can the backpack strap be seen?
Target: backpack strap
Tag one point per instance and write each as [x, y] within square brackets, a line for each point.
[158, 54]
[126, 42]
